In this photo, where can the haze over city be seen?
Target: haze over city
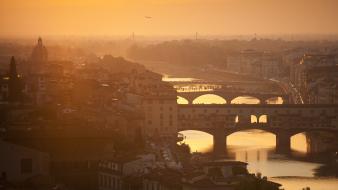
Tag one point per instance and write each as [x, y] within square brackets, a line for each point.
[167, 17]
[168, 95]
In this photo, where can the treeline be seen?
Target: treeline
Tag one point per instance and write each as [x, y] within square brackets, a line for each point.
[179, 52]
[214, 52]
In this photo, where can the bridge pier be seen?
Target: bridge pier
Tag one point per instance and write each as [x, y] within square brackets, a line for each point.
[220, 144]
[287, 99]
[319, 142]
[283, 142]
[262, 100]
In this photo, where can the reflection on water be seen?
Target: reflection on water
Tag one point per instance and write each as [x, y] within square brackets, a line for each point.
[257, 148]
[167, 78]
[263, 160]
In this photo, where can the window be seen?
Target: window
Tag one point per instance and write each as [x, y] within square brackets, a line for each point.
[26, 165]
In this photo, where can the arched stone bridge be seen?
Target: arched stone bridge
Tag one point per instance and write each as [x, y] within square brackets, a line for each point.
[282, 120]
[249, 85]
[228, 96]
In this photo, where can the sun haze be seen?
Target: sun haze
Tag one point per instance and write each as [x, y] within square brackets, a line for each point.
[174, 17]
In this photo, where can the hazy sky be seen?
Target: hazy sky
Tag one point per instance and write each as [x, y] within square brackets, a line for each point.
[169, 17]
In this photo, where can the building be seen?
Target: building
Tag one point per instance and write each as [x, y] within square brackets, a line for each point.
[162, 179]
[88, 174]
[255, 63]
[39, 54]
[103, 173]
[11, 87]
[19, 163]
[225, 175]
[158, 102]
[316, 78]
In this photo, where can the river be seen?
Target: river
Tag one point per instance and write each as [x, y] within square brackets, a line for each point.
[257, 149]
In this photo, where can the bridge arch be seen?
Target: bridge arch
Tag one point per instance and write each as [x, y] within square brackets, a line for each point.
[248, 137]
[275, 100]
[245, 99]
[182, 100]
[209, 98]
[298, 142]
[198, 140]
[254, 119]
[314, 141]
[263, 118]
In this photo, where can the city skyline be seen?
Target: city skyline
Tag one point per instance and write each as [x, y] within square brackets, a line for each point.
[168, 94]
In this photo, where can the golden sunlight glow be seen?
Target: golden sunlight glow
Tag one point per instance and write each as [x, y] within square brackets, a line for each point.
[245, 100]
[181, 100]
[168, 17]
[298, 143]
[209, 99]
[198, 141]
[249, 139]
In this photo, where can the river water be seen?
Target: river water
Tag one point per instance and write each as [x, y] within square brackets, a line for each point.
[257, 149]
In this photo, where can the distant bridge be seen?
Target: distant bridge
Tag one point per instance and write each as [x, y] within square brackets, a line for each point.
[246, 85]
[221, 120]
[230, 90]
[229, 95]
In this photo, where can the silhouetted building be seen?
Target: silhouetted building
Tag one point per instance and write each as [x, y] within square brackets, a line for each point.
[38, 59]
[315, 77]
[256, 63]
[15, 85]
[39, 54]
[225, 175]
[20, 163]
[11, 85]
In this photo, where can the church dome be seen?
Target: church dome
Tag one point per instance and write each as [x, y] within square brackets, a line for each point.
[39, 54]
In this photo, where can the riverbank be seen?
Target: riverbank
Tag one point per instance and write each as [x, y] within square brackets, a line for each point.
[298, 183]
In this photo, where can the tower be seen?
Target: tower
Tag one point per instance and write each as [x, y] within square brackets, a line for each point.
[14, 86]
[40, 42]
[39, 54]
[12, 69]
